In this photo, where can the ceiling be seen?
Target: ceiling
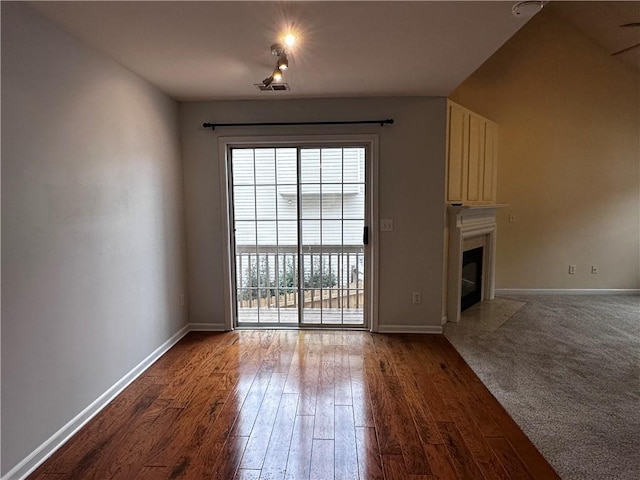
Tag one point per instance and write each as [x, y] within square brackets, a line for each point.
[601, 21]
[219, 50]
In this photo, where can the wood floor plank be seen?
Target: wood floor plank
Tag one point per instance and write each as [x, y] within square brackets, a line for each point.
[369, 458]
[40, 475]
[322, 460]
[324, 427]
[509, 459]
[152, 473]
[202, 451]
[282, 350]
[420, 412]
[244, 474]
[294, 374]
[480, 450]
[393, 467]
[432, 397]
[263, 427]
[410, 442]
[440, 462]
[310, 373]
[229, 460]
[342, 376]
[346, 457]
[471, 392]
[419, 405]
[275, 461]
[85, 447]
[251, 406]
[302, 404]
[135, 448]
[299, 460]
[189, 378]
[202, 410]
[362, 409]
[383, 413]
[461, 457]
[114, 457]
[409, 439]
[86, 459]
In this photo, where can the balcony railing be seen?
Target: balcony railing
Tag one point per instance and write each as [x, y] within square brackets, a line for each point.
[268, 276]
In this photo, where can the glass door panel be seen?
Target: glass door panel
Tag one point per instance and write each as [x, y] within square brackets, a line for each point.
[332, 265]
[265, 216]
[298, 219]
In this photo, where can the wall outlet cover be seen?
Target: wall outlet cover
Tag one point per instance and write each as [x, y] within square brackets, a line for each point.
[386, 225]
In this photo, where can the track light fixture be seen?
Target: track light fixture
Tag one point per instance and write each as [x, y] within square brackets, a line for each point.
[282, 64]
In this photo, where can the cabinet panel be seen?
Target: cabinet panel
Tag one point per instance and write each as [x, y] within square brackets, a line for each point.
[476, 158]
[472, 157]
[490, 163]
[457, 154]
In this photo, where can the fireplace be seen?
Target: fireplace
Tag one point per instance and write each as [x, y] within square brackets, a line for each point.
[471, 287]
[471, 252]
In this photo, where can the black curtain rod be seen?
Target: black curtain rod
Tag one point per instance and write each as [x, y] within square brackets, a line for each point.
[213, 126]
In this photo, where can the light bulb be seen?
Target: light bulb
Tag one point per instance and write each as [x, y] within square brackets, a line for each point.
[283, 62]
[290, 39]
[277, 75]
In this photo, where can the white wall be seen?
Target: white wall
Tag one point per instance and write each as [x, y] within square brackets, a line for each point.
[569, 158]
[411, 192]
[92, 227]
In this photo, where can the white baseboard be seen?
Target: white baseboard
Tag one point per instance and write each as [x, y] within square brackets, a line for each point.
[206, 327]
[44, 451]
[436, 329]
[567, 291]
[444, 320]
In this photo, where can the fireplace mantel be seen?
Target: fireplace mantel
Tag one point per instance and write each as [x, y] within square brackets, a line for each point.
[467, 222]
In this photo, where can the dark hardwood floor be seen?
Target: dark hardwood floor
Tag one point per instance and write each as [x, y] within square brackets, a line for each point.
[298, 405]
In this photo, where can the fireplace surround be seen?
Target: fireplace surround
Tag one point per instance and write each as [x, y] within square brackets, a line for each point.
[470, 227]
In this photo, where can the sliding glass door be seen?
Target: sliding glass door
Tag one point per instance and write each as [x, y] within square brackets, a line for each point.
[299, 218]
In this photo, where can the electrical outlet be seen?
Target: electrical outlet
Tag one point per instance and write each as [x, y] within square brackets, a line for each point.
[386, 225]
[417, 298]
[572, 269]
[182, 299]
[594, 269]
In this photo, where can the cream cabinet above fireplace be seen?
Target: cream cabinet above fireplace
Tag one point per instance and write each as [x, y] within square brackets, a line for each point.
[472, 157]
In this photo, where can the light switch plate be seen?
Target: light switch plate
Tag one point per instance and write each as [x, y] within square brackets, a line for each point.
[386, 225]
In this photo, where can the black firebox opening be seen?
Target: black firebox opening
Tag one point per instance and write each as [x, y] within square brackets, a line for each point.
[471, 278]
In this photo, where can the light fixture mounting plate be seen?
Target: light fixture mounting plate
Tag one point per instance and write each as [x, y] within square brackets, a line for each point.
[526, 9]
[277, 49]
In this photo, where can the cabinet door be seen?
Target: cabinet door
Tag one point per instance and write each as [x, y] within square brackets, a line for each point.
[490, 163]
[457, 154]
[476, 158]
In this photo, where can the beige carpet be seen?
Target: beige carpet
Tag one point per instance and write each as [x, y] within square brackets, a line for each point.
[567, 369]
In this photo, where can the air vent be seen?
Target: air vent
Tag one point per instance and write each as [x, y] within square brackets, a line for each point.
[274, 87]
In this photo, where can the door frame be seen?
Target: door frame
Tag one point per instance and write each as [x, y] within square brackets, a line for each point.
[369, 141]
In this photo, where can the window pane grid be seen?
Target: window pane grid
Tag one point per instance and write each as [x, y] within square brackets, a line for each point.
[330, 264]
